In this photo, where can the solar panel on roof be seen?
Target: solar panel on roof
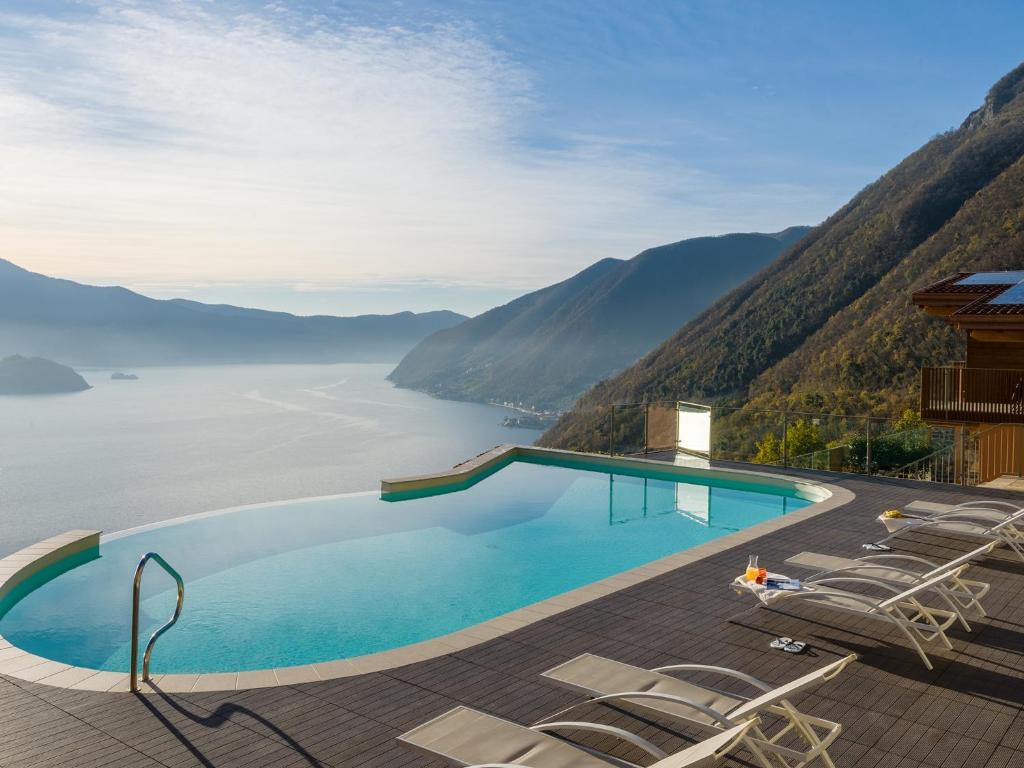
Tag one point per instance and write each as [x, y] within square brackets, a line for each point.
[1014, 295]
[992, 278]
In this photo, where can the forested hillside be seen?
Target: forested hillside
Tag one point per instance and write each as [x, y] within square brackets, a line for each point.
[546, 348]
[830, 326]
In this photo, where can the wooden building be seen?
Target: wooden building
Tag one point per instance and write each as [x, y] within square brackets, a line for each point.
[982, 396]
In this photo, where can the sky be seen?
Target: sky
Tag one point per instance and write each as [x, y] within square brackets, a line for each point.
[371, 157]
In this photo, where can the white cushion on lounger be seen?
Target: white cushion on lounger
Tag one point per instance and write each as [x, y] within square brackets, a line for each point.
[468, 737]
[927, 507]
[876, 570]
[584, 672]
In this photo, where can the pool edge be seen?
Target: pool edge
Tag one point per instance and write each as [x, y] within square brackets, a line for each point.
[470, 471]
[16, 663]
[22, 565]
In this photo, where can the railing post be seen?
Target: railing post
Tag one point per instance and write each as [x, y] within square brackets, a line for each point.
[675, 441]
[611, 433]
[963, 455]
[922, 381]
[867, 449]
[785, 439]
[958, 454]
[647, 413]
[711, 434]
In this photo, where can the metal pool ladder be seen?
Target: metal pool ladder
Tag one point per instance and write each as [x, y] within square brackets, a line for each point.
[135, 616]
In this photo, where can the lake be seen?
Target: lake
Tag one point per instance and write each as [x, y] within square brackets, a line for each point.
[191, 439]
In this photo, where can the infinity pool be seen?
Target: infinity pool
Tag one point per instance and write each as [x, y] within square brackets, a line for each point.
[321, 579]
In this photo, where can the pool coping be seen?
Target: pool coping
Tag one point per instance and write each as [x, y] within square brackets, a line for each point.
[15, 568]
[467, 472]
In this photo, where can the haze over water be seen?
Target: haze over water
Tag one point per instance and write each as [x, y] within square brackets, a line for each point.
[192, 439]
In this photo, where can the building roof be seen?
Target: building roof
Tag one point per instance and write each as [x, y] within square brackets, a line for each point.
[968, 295]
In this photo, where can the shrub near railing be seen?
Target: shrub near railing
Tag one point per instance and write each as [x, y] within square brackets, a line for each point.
[890, 448]
[897, 449]
[837, 442]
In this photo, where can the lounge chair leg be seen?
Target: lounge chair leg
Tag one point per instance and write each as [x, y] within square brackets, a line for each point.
[826, 759]
[948, 599]
[913, 641]
[1015, 547]
[976, 606]
[938, 631]
[808, 734]
[757, 752]
[966, 598]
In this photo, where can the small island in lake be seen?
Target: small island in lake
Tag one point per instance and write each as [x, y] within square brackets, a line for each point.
[37, 376]
[118, 376]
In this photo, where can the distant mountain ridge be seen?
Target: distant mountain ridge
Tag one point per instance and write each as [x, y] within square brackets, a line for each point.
[113, 326]
[545, 348]
[830, 325]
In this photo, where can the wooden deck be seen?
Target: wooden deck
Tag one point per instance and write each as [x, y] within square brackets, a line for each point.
[968, 712]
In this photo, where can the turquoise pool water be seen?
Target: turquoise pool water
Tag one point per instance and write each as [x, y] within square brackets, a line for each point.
[320, 579]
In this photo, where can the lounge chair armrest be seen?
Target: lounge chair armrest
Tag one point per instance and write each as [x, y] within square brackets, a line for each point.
[845, 662]
[870, 604]
[980, 528]
[656, 696]
[899, 556]
[1011, 522]
[970, 515]
[924, 586]
[760, 684]
[606, 730]
[865, 566]
[989, 503]
[856, 579]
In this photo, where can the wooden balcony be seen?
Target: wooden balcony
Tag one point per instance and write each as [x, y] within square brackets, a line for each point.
[972, 395]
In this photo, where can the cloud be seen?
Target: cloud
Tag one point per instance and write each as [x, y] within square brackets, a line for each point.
[177, 143]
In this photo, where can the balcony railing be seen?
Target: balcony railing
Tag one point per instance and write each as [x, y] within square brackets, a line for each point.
[972, 395]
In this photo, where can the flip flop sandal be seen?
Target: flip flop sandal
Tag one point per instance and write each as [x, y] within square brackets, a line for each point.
[797, 646]
[780, 643]
[873, 547]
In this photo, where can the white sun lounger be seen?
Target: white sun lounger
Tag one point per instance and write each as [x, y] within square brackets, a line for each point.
[903, 611]
[961, 595]
[467, 737]
[928, 508]
[992, 512]
[968, 521]
[659, 694]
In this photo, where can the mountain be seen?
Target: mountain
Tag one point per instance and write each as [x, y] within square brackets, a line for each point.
[830, 326]
[37, 376]
[545, 348]
[89, 325]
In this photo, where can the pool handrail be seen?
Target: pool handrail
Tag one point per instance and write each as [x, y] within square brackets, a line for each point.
[136, 587]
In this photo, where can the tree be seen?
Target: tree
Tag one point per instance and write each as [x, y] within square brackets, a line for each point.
[769, 450]
[907, 440]
[802, 437]
[910, 420]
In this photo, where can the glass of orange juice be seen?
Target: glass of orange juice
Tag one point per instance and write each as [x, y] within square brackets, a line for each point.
[752, 569]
